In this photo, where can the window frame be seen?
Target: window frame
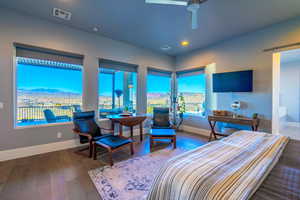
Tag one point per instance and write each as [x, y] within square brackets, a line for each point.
[15, 90]
[176, 82]
[105, 63]
[172, 88]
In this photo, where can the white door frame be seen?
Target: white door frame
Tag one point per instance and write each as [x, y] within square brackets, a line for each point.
[276, 93]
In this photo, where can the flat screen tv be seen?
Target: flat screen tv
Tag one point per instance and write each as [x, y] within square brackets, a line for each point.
[240, 81]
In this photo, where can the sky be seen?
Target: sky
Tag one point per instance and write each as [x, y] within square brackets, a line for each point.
[105, 82]
[32, 77]
[194, 83]
[158, 83]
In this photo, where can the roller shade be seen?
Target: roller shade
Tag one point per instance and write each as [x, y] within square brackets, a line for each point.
[190, 72]
[159, 72]
[33, 52]
[48, 63]
[107, 65]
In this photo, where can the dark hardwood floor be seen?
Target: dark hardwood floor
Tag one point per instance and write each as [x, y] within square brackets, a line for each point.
[62, 175]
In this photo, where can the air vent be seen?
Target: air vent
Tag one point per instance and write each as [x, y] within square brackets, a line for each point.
[62, 14]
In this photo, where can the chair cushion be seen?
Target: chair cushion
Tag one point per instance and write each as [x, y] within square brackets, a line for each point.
[113, 141]
[161, 120]
[100, 137]
[162, 132]
[161, 117]
[84, 122]
[161, 127]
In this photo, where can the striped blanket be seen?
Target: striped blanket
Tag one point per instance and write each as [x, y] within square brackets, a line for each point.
[231, 168]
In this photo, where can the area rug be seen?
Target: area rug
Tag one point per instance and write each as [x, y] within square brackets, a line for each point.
[130, 179]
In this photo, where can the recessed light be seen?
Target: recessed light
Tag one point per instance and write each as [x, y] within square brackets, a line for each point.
[185, 43]
[95, 29]
[165, 48]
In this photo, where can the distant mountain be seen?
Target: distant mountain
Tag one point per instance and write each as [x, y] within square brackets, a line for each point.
[45, 91]
[157, 95]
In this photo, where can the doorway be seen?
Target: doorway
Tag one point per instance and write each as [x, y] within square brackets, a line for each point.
[286, 93]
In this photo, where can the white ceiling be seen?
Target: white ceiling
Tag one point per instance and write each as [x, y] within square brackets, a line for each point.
[153, 26]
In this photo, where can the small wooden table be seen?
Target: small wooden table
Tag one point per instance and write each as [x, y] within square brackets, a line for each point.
[163, 134]
[129, 121]
[212, 120]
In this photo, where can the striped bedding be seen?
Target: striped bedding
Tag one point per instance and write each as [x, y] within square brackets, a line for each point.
[231, 168]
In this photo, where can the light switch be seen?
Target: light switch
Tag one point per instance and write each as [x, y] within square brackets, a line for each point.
[59, 134]
[1, 105]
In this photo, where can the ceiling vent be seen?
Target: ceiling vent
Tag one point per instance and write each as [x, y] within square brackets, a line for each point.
[62, 14]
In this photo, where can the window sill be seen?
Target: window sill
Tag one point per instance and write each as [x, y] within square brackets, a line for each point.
[43, 125]
[194, 115]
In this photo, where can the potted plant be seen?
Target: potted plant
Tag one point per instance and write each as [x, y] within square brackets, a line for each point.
[181, 106]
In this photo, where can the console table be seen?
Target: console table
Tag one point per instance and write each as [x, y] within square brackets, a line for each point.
[212, 120]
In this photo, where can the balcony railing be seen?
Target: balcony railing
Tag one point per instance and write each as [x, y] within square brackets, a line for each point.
[31, 115]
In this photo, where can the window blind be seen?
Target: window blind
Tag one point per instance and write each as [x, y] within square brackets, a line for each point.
[110, 65]
[48, 64]
[40, 53]
[190, 72]
[159, 72]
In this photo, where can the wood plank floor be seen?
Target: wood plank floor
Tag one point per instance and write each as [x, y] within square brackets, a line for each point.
[62, 175]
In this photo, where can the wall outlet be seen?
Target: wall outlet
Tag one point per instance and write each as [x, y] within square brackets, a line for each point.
[59, 134]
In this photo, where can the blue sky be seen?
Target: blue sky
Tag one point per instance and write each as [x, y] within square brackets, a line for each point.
[158, 83]
[31, 77]
[105, 82]
[192, 83]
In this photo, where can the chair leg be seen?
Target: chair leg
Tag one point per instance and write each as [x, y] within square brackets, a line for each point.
[95, 151]
[174, 142]
[110, 157]
[131, 132]
[91, 149]
[141, 131]
[151, 142]
[131, 148]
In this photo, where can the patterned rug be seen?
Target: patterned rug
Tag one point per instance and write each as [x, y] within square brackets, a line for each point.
[130, 179]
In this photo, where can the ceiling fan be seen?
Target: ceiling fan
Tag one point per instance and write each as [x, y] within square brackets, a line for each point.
[192, 6]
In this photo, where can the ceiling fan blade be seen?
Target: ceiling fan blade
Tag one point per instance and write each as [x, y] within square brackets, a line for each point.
[194, 19]
[167, 2]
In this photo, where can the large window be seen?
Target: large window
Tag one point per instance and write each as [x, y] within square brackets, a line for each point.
[47, 91]
[191, 91]
[117, 88]
[158, 89]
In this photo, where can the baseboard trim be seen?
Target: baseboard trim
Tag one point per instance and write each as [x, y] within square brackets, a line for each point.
[50, 147]
[196, 130]
[38, 149]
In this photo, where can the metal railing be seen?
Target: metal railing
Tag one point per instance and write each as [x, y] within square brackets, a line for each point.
[36, 113]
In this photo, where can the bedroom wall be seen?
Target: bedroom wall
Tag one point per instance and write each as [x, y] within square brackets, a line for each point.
[241, 53]
[15, 27]
[290, 89]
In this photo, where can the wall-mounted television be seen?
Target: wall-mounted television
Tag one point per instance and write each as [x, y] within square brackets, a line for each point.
[240, 81]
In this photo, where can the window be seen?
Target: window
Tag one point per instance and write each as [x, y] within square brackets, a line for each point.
[158, 89]
[117, 88]
[47, 90]
[191, 91]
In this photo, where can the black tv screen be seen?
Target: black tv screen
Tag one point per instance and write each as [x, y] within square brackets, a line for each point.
[241, 81]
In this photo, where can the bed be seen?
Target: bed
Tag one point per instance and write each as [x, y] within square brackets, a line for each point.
[246, 165]
[283, 182]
